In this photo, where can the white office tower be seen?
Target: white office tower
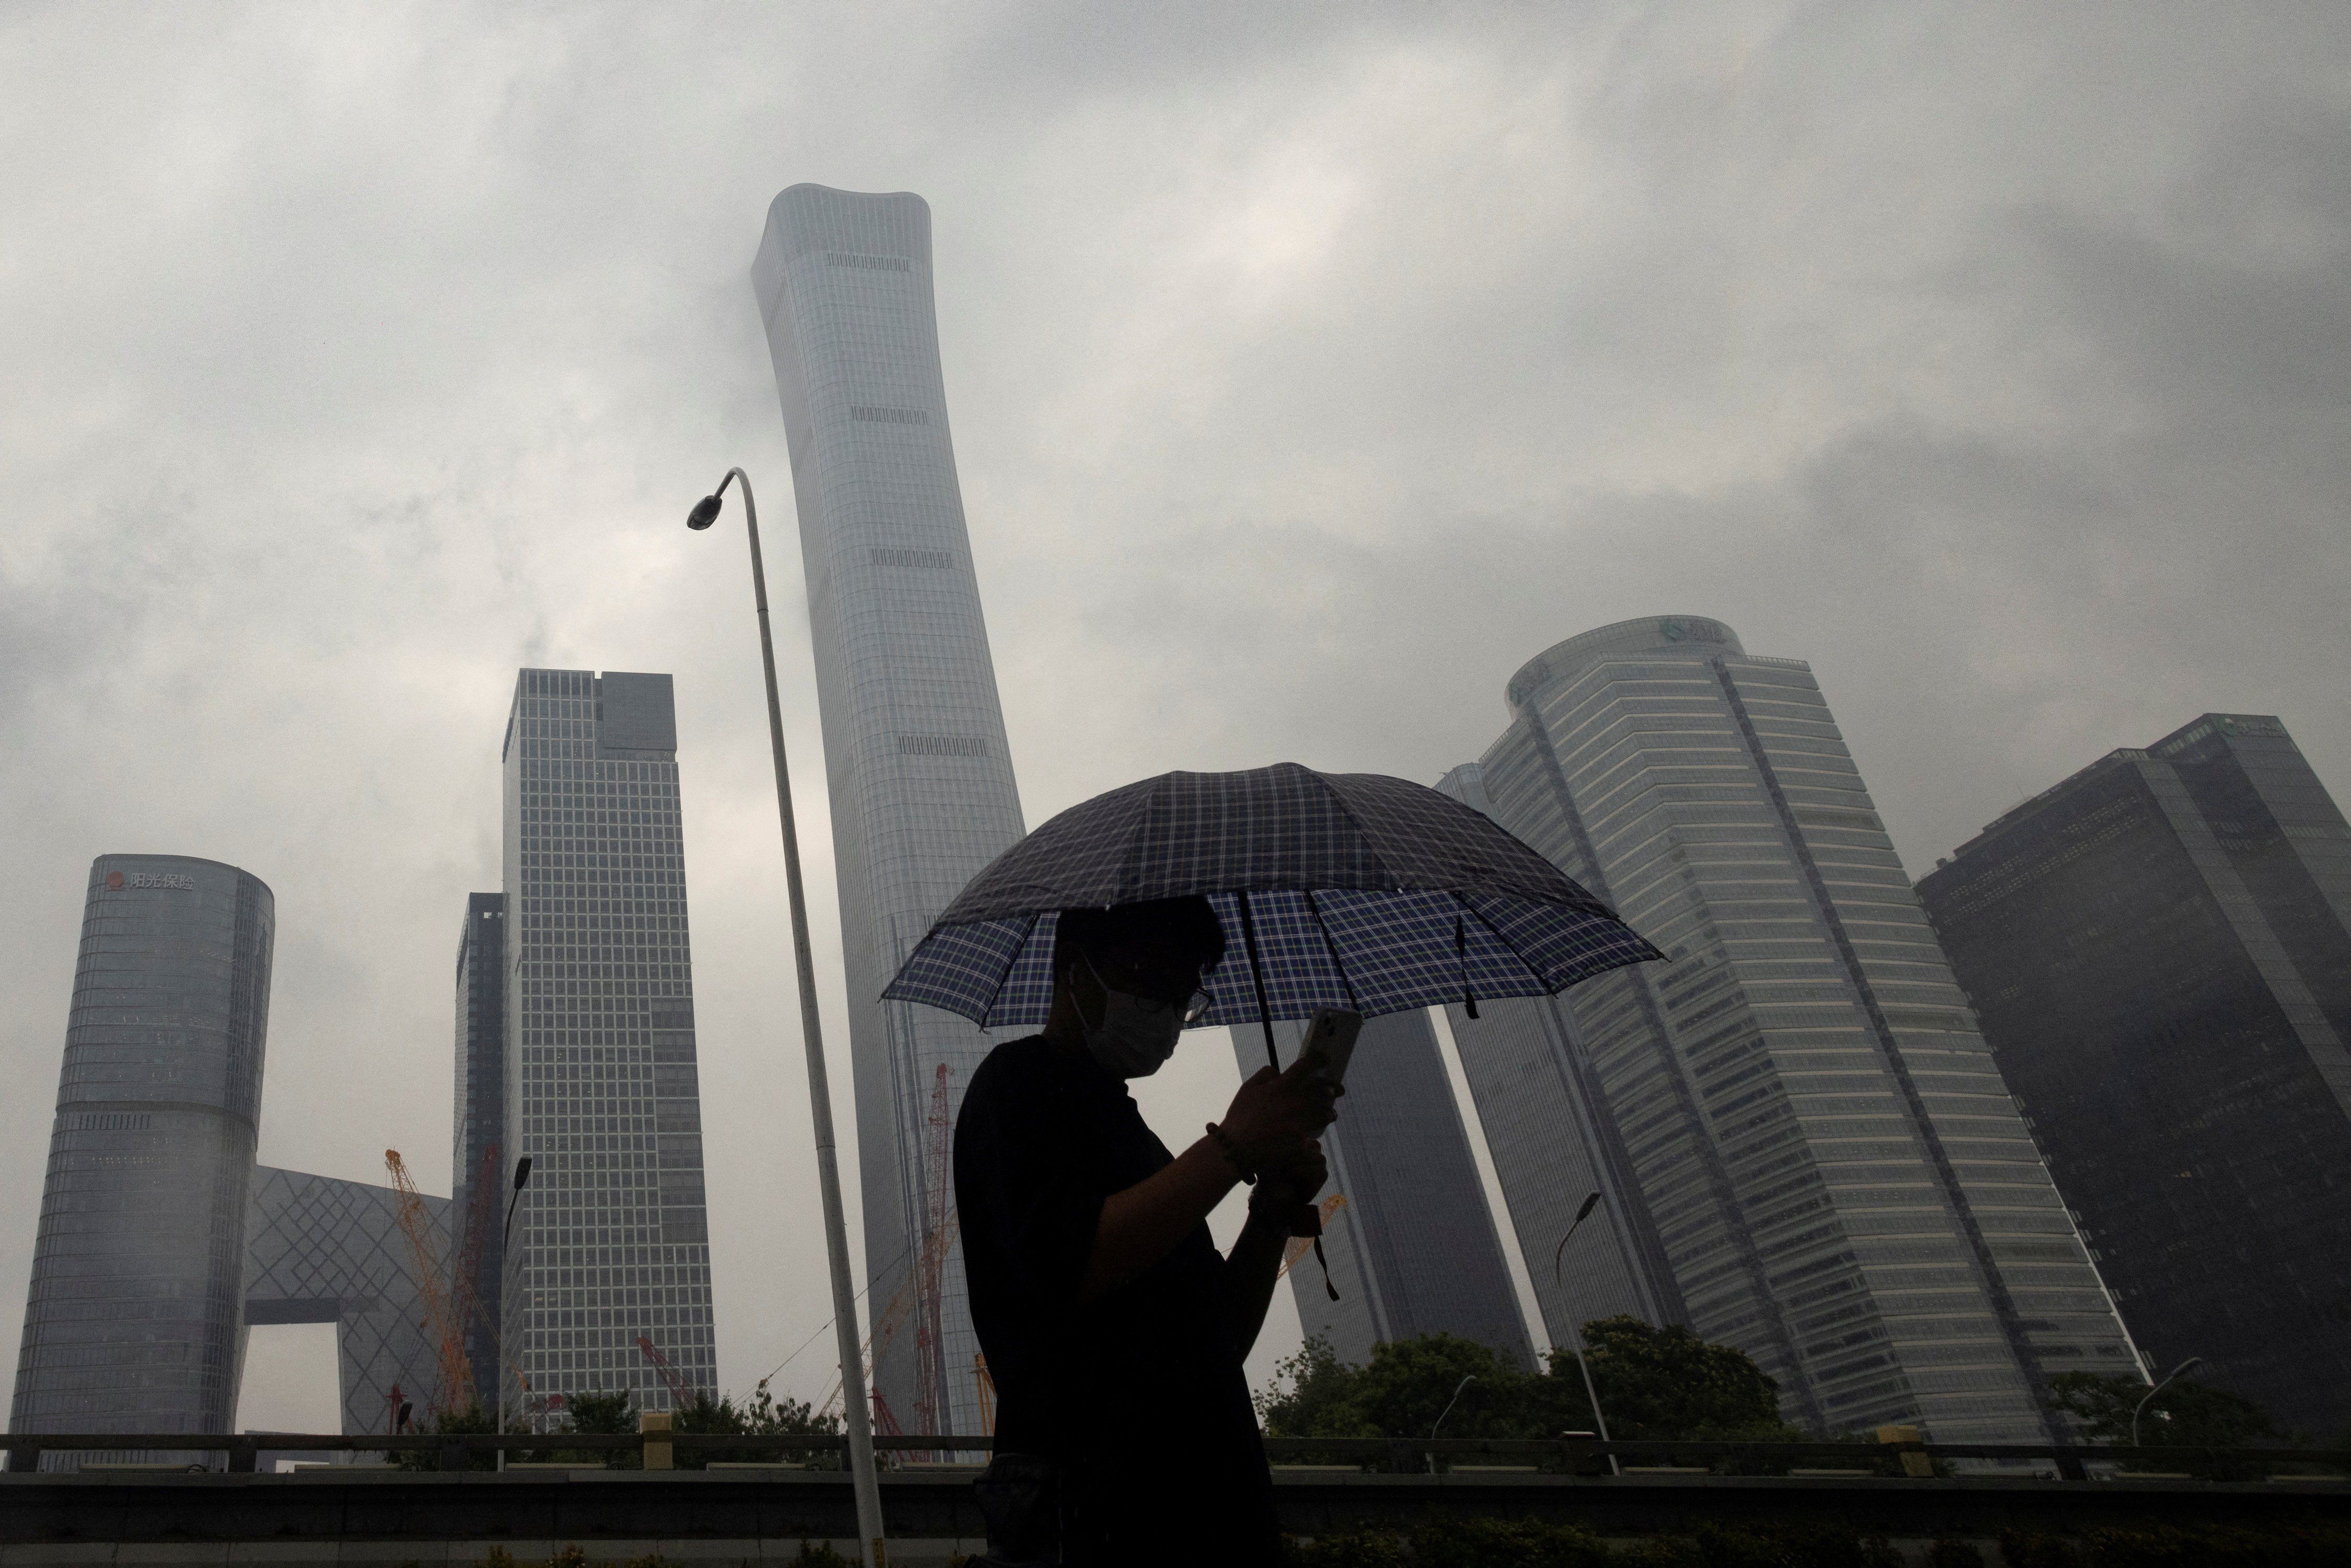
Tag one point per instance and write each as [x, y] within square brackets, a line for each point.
[611, 1241]
[1836, 1176]
[921, 780]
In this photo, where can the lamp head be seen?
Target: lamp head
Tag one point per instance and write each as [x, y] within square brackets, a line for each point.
[705, 513]
[1589, 1205]
[522, 1172]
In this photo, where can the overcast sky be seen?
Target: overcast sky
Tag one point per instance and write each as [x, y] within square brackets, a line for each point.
[1312, 366]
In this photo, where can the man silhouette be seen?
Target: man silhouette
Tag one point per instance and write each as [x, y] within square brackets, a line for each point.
[1113, 1330]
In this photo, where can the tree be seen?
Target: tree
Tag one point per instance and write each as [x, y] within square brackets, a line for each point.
[2186, 1413]
[449, 1423]
[1655, 1384]
[1318, 1398]
[1667, 1385]
[757, 1416]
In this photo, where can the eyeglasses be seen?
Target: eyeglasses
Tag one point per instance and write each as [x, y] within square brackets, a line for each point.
[1192, 1006]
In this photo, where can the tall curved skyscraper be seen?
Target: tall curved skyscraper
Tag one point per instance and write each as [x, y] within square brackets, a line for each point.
[131, 1321]
[1824, 1153]
[921, 780]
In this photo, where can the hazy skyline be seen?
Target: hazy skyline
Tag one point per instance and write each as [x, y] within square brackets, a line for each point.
[1311, 367]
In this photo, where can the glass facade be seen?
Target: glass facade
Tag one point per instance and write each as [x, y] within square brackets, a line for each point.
[1554, 1145]
[1413, 1249]
[132, 1319]
[1830, 1164]
[611, 1243]
[479, 1172]
[920, 777]
[320, 1250]
[2159, 947]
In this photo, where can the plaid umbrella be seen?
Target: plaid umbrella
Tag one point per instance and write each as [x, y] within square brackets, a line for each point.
[1345, 890]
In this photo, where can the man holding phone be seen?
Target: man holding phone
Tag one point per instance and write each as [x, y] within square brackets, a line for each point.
[1114, 1333]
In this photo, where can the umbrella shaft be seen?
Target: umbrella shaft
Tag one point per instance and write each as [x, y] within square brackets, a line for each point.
[1256, 978]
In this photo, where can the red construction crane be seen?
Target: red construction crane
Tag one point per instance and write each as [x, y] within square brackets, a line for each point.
[679, 1394]
[443, 1326]
[481, 1219]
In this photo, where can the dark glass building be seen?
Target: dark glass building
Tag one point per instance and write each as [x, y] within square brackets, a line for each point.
[479, 1167]
[1412, 1247]
[132, 1319]
[2160, 950]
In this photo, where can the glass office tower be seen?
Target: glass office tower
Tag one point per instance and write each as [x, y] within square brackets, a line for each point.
[1554, 1145]
[921, 780]
[132, 1319]
[613, 1242]
[2159, 947]
[1412, 1248]
[479, 1171]
[1839, 1180]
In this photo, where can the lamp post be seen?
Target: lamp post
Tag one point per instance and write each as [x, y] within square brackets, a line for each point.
[521, 1179]
[828, 1166]
[1575, 1330]
[2191, 1361]
[1441, 1415]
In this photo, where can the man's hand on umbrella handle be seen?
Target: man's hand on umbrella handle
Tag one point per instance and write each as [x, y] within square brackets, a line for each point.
[1286, 1189]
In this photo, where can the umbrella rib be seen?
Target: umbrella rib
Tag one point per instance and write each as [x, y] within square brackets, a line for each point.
[1496, 933]
[1333, 948]
[1380, 865]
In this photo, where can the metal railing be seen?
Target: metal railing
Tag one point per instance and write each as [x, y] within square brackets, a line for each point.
[1571, 1455]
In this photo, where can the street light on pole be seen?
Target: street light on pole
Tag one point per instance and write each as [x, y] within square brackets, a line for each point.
[1441, 1415]
[2191, 1361]
[521, 1179]
[828, 1166]
[1575, 1330]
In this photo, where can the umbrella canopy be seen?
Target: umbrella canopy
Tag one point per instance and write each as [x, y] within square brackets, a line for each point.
[1345, 890]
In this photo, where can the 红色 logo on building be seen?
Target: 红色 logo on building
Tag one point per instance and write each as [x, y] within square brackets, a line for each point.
[116, 881]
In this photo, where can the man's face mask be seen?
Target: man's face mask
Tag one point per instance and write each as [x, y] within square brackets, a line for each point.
[1136, 1034]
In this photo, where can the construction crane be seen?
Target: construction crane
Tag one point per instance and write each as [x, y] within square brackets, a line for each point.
[679, 1394]
[986, 1385]
[886, 1326]
[919, 1293]
[443, 1326]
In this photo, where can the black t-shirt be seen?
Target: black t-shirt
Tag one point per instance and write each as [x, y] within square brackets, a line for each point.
[1139, 1395]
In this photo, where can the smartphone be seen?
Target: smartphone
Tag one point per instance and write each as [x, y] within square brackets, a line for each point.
[1331, 1040]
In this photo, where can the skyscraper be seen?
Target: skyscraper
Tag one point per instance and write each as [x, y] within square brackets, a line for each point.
[478, 1178]
[1412, 1248]
[132, 1319]
[921, 780]
[1554, 1145]
[611, 1243]
[1838, 1179]
[2159, 947]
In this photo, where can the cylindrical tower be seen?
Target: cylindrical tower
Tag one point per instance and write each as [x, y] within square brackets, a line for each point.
[131, 1319]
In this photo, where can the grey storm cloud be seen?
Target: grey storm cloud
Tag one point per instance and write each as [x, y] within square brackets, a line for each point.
[1311, 367]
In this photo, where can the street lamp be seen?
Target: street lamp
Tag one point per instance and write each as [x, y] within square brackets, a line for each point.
[1441, 1415]
[2191, 1361]
[1575, 1330]
[828, 1166]
[498, 1370]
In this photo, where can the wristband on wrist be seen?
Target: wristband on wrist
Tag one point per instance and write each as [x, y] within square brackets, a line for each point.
[1232, 1156]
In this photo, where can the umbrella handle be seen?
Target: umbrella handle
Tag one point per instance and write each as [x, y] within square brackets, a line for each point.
[1273, 1057]
[1256, 978]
